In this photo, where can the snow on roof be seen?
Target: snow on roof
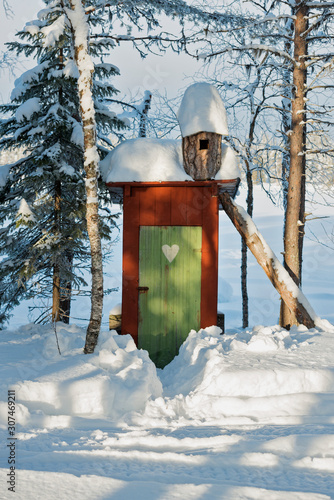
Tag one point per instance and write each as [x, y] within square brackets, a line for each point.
[202, 110]
[229, 167]
[155, 160]
[144, 160]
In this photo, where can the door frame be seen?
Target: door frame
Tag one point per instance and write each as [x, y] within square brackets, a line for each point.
[167, 204]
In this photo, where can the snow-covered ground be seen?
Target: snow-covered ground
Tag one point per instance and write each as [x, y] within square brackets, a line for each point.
[245, 415]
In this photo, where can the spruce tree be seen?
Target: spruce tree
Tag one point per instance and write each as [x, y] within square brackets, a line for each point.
[42, 217]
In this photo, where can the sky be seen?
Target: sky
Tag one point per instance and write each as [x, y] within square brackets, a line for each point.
[165, 73]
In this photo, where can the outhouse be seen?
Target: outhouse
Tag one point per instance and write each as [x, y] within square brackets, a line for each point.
[169, 192]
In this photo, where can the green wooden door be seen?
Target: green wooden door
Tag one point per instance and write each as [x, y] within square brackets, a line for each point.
[169, 288]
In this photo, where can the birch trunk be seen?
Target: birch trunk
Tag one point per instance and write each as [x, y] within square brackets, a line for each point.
[279, 277]
[80, 32]
[295, 210]
[250, 201]
[143, 116]
[244, 268]
[286, 117]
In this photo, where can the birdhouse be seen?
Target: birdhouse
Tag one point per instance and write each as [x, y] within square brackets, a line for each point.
[170, 228]
[203, 122]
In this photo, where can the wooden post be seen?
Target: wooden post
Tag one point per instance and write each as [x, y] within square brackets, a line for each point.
[278, 275]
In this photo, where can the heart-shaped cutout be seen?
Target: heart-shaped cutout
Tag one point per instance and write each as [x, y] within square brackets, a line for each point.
[170, 252]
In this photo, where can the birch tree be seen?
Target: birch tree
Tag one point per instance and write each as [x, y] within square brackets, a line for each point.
[80, 30]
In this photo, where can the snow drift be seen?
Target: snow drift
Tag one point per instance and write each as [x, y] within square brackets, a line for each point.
[117, 379]
[265, 374]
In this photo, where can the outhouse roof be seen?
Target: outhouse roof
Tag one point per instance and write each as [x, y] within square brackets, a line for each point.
[202, 110]
[145, 160]
[157, 160]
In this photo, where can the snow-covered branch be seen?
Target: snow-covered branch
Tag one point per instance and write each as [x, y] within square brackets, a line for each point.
[257, 48]
[320, 5]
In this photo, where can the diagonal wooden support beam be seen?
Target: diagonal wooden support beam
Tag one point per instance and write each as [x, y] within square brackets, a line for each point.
[278, 275]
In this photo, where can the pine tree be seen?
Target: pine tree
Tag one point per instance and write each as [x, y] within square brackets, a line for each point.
[42, 213]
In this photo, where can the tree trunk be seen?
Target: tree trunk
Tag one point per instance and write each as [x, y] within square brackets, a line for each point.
[279, 277]
[286, 130]
[295, 218]
[202, 155]
[55, 294]
[244, 290]
[62, 288]
[286, 117]
[249, 178]
[56, 272]
[144, 113]
[66, 290]
[83, 60]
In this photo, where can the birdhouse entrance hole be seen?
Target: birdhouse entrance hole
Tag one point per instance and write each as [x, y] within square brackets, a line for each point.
[203, 144]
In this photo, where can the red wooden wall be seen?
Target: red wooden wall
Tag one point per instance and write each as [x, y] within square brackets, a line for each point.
[169, 204]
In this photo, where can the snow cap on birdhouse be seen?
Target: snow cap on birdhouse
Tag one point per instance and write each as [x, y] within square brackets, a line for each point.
[203, 122]
[202, 110]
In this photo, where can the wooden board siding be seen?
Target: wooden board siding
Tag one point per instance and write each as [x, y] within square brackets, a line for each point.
[174, 204]
[169, 288]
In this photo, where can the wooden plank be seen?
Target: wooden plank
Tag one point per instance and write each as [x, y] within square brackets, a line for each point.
[209, 286]
[116, 188]
[130, 264]
[179, 208]
[187, 296]
[148, 199]
[170, 307]
[198, 198]
[111, 185]
[164, 199]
